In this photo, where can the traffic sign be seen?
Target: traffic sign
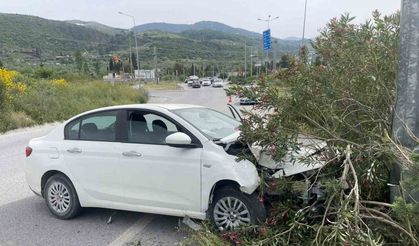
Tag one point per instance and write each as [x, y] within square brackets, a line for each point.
[267, 42]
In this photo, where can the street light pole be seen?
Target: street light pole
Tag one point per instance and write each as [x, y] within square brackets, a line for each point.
[245, 59]
[267, 51]
[304, 23]
[135, 38]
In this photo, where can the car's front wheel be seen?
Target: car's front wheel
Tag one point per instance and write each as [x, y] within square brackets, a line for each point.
[231, 208]
[61, 197]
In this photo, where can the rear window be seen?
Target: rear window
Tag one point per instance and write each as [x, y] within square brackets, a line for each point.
[93, 127]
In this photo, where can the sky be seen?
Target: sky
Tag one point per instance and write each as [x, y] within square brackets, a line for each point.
[241, 14]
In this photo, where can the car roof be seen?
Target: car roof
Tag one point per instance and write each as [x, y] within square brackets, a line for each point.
[147, 106]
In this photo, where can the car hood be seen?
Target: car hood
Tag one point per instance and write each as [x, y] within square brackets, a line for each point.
[295, 161]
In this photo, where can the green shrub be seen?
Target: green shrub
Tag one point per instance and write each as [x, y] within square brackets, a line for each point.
[45, 101]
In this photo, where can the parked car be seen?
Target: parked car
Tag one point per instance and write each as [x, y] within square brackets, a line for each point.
[190, 82]
[175, 160]
[196, 84]
[218, 83]
[245, 100]
[206, 82]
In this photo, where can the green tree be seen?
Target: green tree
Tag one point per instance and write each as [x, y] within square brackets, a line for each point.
[134, 61]
[111, 68]
[85, 67]
[285, 61]
[78, 58]
[97, 68]
[349, 104]
[1, 64]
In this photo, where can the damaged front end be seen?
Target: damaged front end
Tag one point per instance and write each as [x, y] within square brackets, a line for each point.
[296, 168]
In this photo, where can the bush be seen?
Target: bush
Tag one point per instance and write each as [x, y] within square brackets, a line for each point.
[347, 101]
[41, 101]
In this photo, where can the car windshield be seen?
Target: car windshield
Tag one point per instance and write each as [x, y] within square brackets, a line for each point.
[211, 123]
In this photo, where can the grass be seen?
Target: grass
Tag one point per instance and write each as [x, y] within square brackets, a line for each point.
[162, 85]
[45, 101]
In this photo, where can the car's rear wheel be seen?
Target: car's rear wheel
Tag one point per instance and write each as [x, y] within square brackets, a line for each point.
[231, 208]
[61, 197]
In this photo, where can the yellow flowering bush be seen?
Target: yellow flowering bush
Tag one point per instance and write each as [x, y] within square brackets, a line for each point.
[59, 82]
[7, 76]
[11, 87]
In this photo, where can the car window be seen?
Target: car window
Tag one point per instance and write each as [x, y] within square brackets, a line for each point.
[213, 124]
[72, 130]
[99, 126]
[148, 128]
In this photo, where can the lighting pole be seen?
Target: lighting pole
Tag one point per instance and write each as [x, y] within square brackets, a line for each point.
[245, 59]
[304, 25]
[251, 61]
[267, 51]
[135, 38]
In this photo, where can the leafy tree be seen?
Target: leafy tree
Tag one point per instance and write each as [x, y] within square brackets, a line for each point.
[111, 68]
[348, 103]
[85, 67]
[78, 58]
[285, 61]
[97, 68]
[134, 61]
[1, 64]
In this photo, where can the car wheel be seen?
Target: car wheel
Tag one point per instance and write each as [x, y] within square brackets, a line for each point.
[231, 208]
[61, 197]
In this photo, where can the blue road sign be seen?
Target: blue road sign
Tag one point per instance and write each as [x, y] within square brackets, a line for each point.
[267, 42]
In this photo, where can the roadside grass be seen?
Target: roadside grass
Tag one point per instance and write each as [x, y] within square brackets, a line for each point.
[162, 85]
[47, 101]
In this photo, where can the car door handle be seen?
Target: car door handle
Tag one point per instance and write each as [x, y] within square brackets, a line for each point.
[74, 150]
[131, 154]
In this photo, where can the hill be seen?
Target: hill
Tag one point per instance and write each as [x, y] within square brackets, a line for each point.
[97, 26]
[33, 40]
[202, 25]
[42, 37]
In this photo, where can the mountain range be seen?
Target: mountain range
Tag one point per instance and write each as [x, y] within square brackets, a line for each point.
[31, 38]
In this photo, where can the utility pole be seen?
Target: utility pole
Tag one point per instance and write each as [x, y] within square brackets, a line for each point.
[406, 114]
[135, 38]
[251, 61]
[267, 51]
[156, 76]
[304, 23]
[130, 52]
[245, 59]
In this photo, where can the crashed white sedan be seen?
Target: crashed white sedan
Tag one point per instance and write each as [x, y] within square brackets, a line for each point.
[164, 159]
[147, 158]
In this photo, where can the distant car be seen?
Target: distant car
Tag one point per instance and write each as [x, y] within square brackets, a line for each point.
[190, 82]
[218, 83]
[245, 100]
[196, 84]
[206, 82]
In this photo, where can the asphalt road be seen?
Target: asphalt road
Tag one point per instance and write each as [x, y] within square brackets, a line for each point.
[25, 219]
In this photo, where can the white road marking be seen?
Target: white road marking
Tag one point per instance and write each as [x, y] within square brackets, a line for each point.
[134, 230]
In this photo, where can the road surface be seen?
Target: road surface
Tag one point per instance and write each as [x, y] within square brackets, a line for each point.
[25, 219]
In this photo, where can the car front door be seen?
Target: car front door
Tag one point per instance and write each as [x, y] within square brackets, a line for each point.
[91, 153]
[153, 173]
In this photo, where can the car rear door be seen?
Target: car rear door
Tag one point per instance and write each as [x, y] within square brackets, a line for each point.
[153, 173]
[91, 153]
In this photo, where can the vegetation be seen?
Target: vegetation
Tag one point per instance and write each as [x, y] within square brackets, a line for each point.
[26, 100]
[29, 41]
[346, 98]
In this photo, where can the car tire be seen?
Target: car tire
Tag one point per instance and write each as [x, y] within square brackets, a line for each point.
[61, 197]
[231, 208]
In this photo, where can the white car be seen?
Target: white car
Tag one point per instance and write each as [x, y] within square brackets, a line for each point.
[206, 82]
[217, 83]
[161, 159]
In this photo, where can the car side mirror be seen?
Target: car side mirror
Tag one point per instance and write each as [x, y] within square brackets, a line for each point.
[179, 139]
